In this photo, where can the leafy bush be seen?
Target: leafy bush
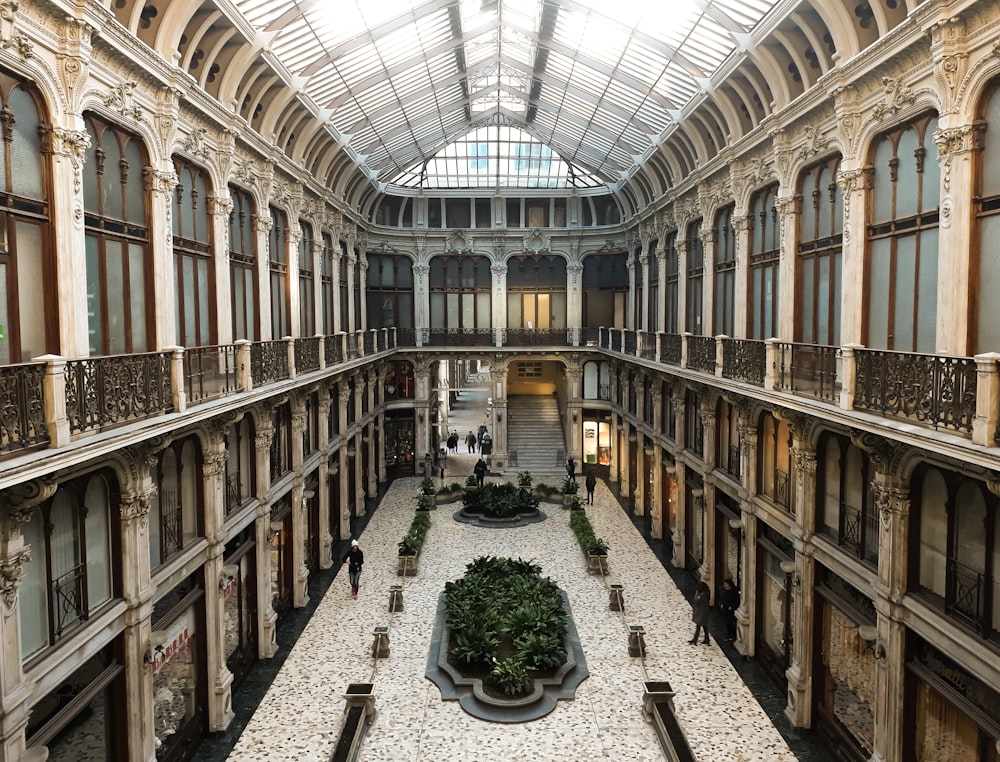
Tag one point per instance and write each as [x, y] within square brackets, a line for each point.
[505, 614]
[427, 486]
[414, 538]
[546, 490]
[471, 481]
[524, 479]
[425, 502]
[511, 676]
[499, 501]
[569, 486]
[579, 522]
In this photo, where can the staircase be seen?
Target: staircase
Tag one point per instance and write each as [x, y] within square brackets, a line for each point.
[535, 434]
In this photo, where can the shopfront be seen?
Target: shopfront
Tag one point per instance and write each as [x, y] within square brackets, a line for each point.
[596, 450]
[239, 604]
[775, 601]
[728, 539]
[399, 435]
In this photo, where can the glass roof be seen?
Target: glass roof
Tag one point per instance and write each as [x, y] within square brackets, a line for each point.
[599, 82]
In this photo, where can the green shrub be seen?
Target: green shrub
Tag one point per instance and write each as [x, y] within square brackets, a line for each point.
[471, 481]
[427, 486]
[499, 501]
[414, 538]
[425, 502]
[524, 479]
[579, 522]
[511, 676]
[569, 486]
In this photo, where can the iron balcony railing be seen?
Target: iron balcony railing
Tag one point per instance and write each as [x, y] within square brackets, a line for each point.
[211, 373]
[22, 407]
[807, 369]
[107, 391]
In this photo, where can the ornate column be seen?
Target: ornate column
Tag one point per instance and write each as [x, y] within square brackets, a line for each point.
[323, 485]
[357, 442]
[499, 296]
[574, 302]
[16, 507]
[630, 310]
[644, 296]
[499, 375]
[262, 227]
[267, 617]
[421, 406]
[300, 518]
[855, 181]
[574, 405]
[709, 243]
[800, 671]
[788, 213]
[656, 489]
[336, 262]
[220, 702]
[352, 319]
[741, 228]
[707, 571]
[68, 148]
[680, 509]
[220, 208]
[138, 594]
[682, 258]
[746, 621]
[160, 189]
[421, 297]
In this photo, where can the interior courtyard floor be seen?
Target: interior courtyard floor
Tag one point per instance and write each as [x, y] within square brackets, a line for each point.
[292, 707]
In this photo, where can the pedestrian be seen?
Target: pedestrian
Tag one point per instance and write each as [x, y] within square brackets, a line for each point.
[591, 484]
[355, 558]
[453, 442]
[470, 441]
[571, 468]
[699, 612]
[481, 434]
[729, 601]
[442, 460]
[480, 471]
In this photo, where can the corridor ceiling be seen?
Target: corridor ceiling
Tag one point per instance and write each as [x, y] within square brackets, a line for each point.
[634, 93]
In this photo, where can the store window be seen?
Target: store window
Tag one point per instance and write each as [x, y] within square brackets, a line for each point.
[597, 441]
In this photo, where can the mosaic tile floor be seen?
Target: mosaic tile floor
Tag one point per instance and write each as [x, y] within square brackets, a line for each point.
[299, 717]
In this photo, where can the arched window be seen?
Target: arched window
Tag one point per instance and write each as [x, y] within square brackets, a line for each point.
[958, 564]
[241, 469]
[695, 278]
[596, 381]
[120, 296]
[902, 282]
[26, 264]
[194, 276]
[605, 290]
[173, 515]
[725, 271]
[243, 264]
[277, 265]
[727, 438]
[71, 573]
[281, 442]
[326, 284]
[653, 304]
[846, 511]
[820, 245]
[536, 292]
[765, 254]
[671, 292]
[775, 463]
[390, 291]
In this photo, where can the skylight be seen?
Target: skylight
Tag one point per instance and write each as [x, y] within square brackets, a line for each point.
[496, 156]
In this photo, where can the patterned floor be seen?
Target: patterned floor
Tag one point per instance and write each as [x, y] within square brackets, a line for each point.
[299, 718]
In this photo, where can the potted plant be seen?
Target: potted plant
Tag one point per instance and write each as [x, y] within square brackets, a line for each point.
[412, 542]
[427, 486]
[597, 556]
[524, 480]
[425, 502]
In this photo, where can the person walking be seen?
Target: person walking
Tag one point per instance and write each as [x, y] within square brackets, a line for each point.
[571, 468]
[591, 484]
[453, 442]
[480, 471]
[355, 558]
[729, 601]
[700, 608]
[471, 441]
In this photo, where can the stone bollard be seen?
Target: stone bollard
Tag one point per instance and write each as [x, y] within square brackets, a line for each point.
[395, 597]
[380, 646]
[636, 640]
[616, 598]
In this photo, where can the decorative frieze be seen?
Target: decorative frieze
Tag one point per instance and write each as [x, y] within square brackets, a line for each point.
[122, 99]
[11, 574]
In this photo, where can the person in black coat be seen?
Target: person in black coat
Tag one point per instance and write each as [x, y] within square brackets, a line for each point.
[591, 484]
[700, 608]
[480, 471]
[355, 557]
[571, 468]
[729, 601]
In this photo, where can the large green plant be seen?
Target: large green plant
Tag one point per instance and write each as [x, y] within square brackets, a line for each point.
[414, 538]
[499, 501]
[504, 616]
[584, 533]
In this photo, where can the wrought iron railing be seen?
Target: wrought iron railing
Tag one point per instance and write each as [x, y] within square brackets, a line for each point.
[670, 349]
[461, 337]
[306, 354]
[744, 360]
[368, 342]
[106, 391]
[778, 490]
[615, 340]
[268, 361]
[933, 390]
[67, 599]
[535, 337]
[807, 369]
[333, 350]
[604, 391]
[406, 337]
[22, 407]
[859, 533]
[965, 593]
[701, 353]
[210, 373]
[590, 337]
[647, 345]
[353, 347]
[234, 495]
[630, 342]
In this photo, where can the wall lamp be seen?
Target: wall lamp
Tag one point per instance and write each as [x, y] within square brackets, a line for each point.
[788, 568]
[499, 416]
[420, 418]
[873, 644]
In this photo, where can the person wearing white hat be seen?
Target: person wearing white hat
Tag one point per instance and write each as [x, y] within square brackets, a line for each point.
[356, 558]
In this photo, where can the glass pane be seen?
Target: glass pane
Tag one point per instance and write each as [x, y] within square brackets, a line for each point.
[927, 306]
[111, 191]
[903, 292]
[137, 296]
[882, 184]
[95, 326]
[514, 313]
[204, 331]
[4, 318]
[25, 146]
[32, 594]
[931, 188]
[536, 314]
[991, 150]
[805, 316]
[30, 293]
[558, 310]
[484, 316]
[115, 273]
[989, 283]
[906, 185]
[453, 313]
[438, 312]
[189, 297]
[878, 313]
[250, 305]
[468, 311]
[98, 543]
[823, 302]
[404, 315]
[933, 534]
[135, 197]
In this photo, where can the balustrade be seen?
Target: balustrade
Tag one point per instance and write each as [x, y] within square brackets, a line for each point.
[807, 369]
[268, 362]
[306, 354]
[701, 353]
[22, 407]
[670, 348]
[210, 373]
[106, 391]
[744, 360]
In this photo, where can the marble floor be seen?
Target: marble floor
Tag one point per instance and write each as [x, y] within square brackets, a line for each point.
[300, 714]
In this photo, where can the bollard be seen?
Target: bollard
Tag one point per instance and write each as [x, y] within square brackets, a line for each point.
[636, 640]
[380, 646]
[395, 597]
[616, 598]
